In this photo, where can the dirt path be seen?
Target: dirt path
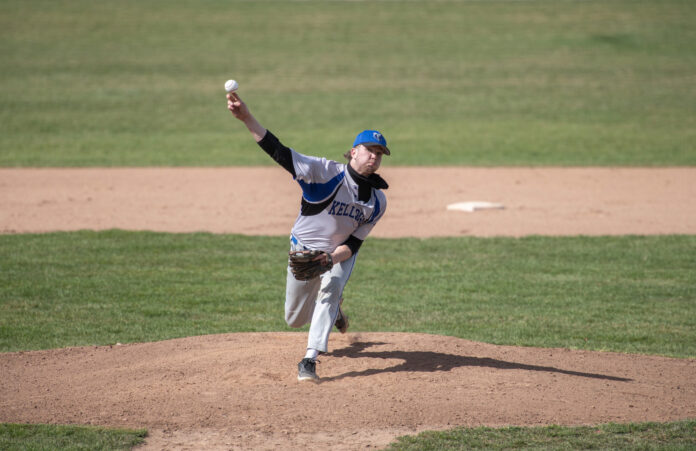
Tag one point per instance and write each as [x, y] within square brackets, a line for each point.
[546, 201]
[239, 391]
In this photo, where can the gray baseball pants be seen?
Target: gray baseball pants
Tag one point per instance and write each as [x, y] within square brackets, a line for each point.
[316, 301]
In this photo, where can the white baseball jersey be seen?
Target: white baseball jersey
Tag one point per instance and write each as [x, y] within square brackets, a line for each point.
[331, 209]
[338, 206]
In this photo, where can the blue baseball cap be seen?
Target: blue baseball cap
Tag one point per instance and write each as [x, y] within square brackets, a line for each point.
[371, 138]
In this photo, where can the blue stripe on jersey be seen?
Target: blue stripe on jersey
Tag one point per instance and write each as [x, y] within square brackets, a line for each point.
[375, 213]
[316, 192]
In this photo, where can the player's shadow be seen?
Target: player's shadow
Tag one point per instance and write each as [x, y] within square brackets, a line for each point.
[428, 361]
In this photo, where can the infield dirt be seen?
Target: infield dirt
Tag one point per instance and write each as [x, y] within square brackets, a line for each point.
[239, 391]
[265, 201]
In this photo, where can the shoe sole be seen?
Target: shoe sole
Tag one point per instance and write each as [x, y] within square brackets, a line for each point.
[307, 378]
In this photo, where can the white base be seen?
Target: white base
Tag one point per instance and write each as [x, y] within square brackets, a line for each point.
[473, 206]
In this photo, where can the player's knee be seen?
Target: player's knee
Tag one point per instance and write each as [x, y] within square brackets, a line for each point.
[330, 287]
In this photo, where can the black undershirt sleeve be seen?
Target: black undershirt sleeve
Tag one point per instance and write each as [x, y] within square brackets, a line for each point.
[353, 243]
[281, 154]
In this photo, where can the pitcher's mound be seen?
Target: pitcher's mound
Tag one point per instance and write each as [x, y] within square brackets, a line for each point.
[239, 391]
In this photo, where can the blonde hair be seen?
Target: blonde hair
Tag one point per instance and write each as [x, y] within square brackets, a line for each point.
[348, 154]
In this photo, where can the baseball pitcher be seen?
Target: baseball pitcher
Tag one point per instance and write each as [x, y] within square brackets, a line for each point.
[340, 205]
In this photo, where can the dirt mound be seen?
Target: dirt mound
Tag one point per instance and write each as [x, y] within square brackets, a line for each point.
[239, 391]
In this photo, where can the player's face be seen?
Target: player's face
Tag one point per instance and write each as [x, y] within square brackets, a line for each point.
[366, 159]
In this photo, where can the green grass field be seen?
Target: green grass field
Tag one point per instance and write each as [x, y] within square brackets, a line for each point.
[642, 436]
[627, 294]
[39, 437]
[540, 82]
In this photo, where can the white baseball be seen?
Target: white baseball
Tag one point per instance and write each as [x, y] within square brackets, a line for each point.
[231, 86]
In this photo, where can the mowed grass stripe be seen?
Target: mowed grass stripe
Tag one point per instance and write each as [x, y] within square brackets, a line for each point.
[538, 82]
[629, 294]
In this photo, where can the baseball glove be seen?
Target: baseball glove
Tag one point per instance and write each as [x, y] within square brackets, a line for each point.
[306, 265]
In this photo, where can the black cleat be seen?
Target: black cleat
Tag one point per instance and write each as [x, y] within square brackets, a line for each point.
[341, 320]
[307, 370]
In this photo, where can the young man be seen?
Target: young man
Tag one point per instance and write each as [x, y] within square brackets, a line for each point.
[341, 203]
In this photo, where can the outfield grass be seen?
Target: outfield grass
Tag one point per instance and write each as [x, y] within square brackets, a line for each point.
[628, 294]
[538, 82]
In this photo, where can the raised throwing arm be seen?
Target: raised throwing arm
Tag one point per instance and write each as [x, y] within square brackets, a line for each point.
[240, 110]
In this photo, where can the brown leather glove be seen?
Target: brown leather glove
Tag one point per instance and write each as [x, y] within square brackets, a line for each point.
[306, 265]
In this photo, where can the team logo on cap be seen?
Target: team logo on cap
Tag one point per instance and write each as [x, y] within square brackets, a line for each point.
[377, 136]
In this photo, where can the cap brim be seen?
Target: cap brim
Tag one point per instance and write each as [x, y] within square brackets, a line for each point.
[385, 148]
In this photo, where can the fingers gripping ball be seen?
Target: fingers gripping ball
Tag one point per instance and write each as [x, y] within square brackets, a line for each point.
[306, 265]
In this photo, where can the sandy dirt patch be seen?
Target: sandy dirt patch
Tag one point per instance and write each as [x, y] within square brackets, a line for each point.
[546, 201]
[239, 391]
